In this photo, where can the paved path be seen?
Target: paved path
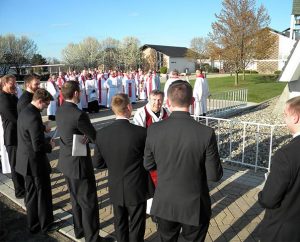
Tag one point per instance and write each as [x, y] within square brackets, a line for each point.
[235, 212]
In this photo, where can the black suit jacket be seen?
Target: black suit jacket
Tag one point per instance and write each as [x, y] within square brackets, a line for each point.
[120, 147]
[186, 156]
[281, 196]
[32, 145]
[9, 115]
[24, 100]
[71, 120]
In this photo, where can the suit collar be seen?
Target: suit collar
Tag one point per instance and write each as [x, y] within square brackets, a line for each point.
[34, 108]
[69, 104]
[180, 114]
[119, 121]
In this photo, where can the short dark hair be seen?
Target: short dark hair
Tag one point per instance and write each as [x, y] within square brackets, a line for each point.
[69, 88]
[42, 94]
[156, 92]
[119, 103]
[29, 78]
[180, 93]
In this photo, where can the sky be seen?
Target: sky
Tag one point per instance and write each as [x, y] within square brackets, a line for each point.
[53, 24]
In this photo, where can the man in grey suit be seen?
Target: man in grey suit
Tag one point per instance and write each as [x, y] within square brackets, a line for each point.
[78, 170]
[280, 195]
[185, 154]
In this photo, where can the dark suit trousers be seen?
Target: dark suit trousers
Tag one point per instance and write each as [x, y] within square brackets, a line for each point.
[169, 231]
[130, 222]
[18, 180]
[83, 194]
[38, 203]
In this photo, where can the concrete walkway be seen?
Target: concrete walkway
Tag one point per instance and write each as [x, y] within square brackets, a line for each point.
[235, 212]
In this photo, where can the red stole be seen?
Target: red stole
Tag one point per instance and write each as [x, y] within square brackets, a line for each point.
[99, 90]
[129, 89]
[83, 79]
[149, 121]
[61, 82]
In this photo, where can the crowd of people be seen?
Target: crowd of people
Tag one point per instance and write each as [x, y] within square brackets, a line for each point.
[164, 154]
[98, 87]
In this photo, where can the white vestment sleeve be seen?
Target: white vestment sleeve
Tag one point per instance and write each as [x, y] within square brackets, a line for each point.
[4, 155]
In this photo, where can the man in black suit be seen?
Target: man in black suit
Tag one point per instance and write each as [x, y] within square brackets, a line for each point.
[31, 83]
[33, 163]
[129, 183]
[280, 195]
[9, 115]
[185, 154]
[78, 170]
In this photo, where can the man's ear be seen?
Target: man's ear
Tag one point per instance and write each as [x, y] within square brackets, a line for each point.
[296, 118]
[168, 103]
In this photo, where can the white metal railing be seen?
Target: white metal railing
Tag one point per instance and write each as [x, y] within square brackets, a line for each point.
[246, 143]
[227, 100]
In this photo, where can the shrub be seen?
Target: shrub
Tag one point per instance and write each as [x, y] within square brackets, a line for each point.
[278, 72]
[163, 70]
[251, 72]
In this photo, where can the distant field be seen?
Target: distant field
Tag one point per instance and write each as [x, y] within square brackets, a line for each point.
[260, 87]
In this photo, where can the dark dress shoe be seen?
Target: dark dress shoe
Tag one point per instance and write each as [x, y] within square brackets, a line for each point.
[79, 236]
[107, 239]
[55, 226]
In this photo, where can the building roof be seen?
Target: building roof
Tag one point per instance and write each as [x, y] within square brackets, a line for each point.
[296, 7]
[171, 51]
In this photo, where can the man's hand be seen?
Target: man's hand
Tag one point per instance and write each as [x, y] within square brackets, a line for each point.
[47, 127]
[52, 143]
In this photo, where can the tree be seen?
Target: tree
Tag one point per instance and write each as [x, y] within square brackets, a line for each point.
[198, 49]
[130, 53]
[110, 55]
[240, 33]
[38, 59]
[16, 52]
[85, 54]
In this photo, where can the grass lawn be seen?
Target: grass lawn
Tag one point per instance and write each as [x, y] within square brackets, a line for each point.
[260, 87]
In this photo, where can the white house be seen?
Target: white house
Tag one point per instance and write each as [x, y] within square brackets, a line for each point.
[171, 57]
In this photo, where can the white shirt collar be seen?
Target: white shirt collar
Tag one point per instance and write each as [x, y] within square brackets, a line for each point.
[296, 134]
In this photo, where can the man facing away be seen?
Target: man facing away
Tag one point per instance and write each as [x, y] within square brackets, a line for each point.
[9, 116]
[128, 181]
[31, 83]
[280, 195]
[78, 170]
[33, 163]
[185, 154]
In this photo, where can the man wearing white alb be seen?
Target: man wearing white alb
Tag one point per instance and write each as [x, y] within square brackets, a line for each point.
[129, 87]
[174, 76]
[113, 87]
[92, 92]
[53, 89]
[200, 93]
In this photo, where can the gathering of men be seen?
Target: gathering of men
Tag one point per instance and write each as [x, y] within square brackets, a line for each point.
[161, 153]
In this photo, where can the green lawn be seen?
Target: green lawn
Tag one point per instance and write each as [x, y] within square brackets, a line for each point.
[260, 87]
